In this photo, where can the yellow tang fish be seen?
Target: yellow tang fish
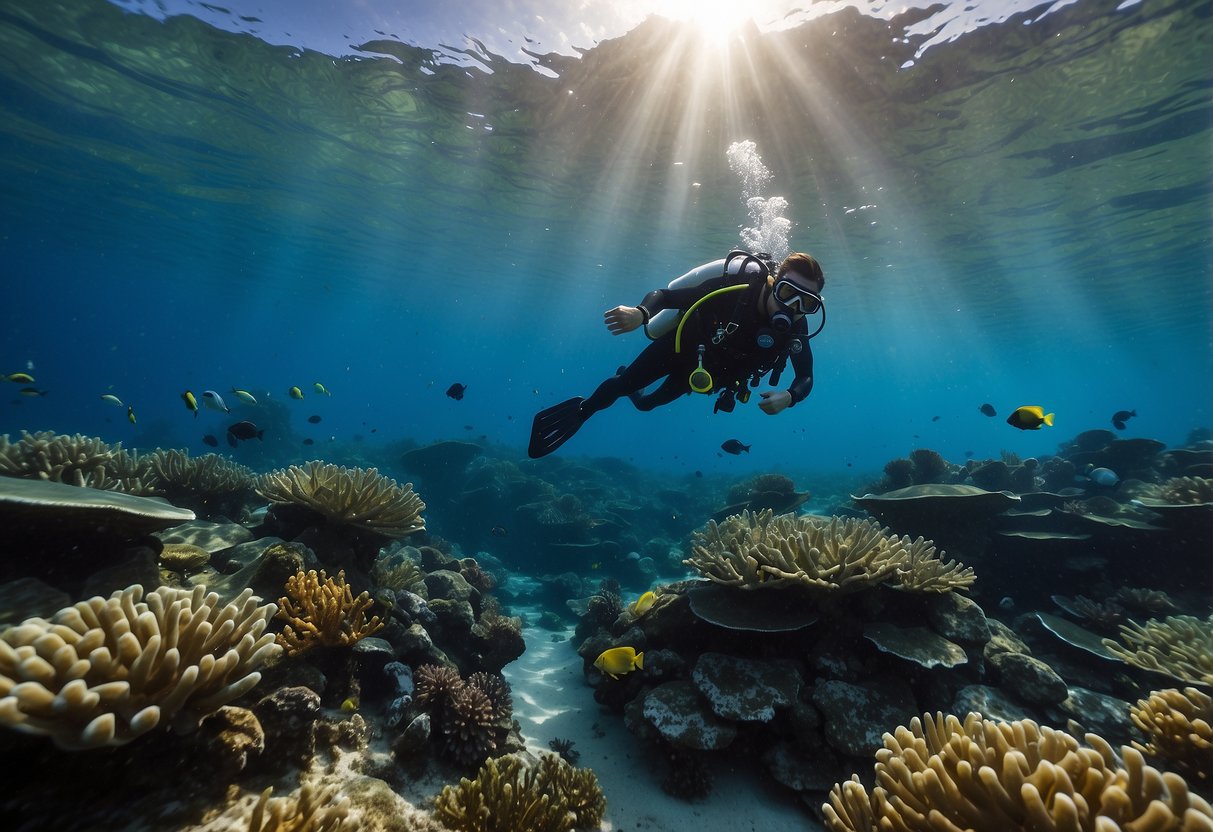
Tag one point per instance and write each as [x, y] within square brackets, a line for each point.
[350, 705]
[20, 378]
[130, 415]
[295, 393]
[1030, 417]
[244, 396]
[642, 604]
[190, 402]
[619, 661]
[321, 389]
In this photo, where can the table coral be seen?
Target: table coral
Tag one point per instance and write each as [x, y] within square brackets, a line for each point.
[360, 497]
[942, 774]
[322, 610]
[106, 670]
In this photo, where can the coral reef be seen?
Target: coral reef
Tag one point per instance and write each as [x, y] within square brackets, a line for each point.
[1177, 725]
[398, 572]
[104, 671]
[1180, 646]
[322, 610]
[350, 496]
[474, 716]
[839, 554]
[74, 460]
[1182, 491]
[942, 774]
[508, 795]
[312, 811]
[468, 725]
[173, 474]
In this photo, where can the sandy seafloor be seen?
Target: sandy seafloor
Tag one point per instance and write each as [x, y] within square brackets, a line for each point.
[552, 699]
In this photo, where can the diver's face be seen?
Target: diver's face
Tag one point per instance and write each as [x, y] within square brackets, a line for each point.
[782, 298]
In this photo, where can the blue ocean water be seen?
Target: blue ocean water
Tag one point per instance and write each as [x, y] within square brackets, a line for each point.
[1017, 215]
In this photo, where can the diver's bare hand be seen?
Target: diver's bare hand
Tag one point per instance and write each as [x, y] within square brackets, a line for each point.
[623, 319]
[773, 401]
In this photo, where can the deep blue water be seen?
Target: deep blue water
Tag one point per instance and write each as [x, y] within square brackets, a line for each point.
[1021, 216]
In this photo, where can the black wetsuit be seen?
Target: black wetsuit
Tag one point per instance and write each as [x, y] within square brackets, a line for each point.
[732, 361]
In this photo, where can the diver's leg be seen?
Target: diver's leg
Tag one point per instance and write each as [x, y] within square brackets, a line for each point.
[652, 363]
[674, 386]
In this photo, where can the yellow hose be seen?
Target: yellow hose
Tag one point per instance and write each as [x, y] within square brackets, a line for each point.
[695, 305]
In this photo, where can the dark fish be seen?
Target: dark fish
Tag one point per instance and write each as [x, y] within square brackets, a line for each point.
[31, 392]
[243, 430]
[934, 418]
[210, 441]
[1121, 416]
[698, 474]
[988, 409]
[456, 390]
[734, 446]
[469, 427]
[968, 454]
[374, 430]
[498, 531]
[309, 441]
[315, 420]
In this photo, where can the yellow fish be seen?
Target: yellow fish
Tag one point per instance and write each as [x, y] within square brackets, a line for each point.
[190, 402]
[642, 604]
[244, 396]
[619, 661]
[110, 398]
[350, 705]
[321, 389]
[1030, 417]
[130, 415]
[20, 378]
[295, 393]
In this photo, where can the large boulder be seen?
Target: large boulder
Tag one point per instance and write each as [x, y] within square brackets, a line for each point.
[857, 716]
[685, 720]
[745, 690]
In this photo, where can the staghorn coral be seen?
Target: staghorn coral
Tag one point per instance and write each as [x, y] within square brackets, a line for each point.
[172, 473]
[312, 811]
[1179, 730]
[400, 573]
[322, 610]
[1182, 491]
[508, 795]
[359, 497]
[838, 554]
[1179, 646]
[1150, 601]
[942, 774]
[74, 460]
[104, 671]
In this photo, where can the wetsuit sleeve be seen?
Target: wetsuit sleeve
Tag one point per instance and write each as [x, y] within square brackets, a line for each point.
[802, 385]
[661, 299]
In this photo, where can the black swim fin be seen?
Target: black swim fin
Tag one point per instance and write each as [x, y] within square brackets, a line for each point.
[555, 426]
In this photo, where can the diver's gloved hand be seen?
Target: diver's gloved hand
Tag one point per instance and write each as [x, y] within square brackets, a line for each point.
[773, 401]
[623, 319]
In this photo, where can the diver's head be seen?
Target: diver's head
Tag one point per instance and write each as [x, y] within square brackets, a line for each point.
[795, 290]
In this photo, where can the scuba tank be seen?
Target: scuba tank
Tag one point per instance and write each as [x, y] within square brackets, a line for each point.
[733, 264]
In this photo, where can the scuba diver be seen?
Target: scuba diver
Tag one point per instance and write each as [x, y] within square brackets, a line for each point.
[717, 329]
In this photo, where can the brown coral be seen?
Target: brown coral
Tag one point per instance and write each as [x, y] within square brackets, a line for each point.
[74, 460]
[498, 691]
[322, 610]
[352, 496]
[434, 684]
[1182, 491]
[468, 725]
[942, 774]
[1179, 730]
[1179, 646]
[172, 473]
[313, 811]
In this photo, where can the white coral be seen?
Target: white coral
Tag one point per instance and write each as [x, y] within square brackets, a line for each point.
[106, 670]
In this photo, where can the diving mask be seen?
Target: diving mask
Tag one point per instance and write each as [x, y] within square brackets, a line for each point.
[796, 298]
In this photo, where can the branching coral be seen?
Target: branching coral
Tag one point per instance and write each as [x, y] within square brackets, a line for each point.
[1151, 601]
[1179, 730]
[104, 671]
[322, 610]
[472, 715]
[434, 684]
[175, 472]
[359, 497]
[838, 554]
[312, 812]
[508, 795]
[74, 460]
[398, 573]
[1179, 646]
[941, 774]
[1182, 491]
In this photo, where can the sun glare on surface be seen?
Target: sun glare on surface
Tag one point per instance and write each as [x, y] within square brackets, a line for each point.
[717, 19]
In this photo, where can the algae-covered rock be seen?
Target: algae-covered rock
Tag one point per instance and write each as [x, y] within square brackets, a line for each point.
[915, 644]
[743, 689]
[991, 703]
[684, 719]
[1030, 679]
[958, 618]
[856, 716]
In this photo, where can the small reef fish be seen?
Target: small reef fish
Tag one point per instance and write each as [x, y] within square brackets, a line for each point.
[315, 420]
[321, 389]
[130, 415]
[20, 378]
[31, 391]
[214, 401]
[243, 430]
[110, 398]
[934, 418]
[244, 396]
[295, 393]
[619, 661]
[1105, 477]
[498, 531]
[988, 409]
[1030, 417]
[644, 603]
[191, 404]
[734, 446]
[350, 705]
[456, 391]
[210, 440]
[1120, 417]
[309, 441]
